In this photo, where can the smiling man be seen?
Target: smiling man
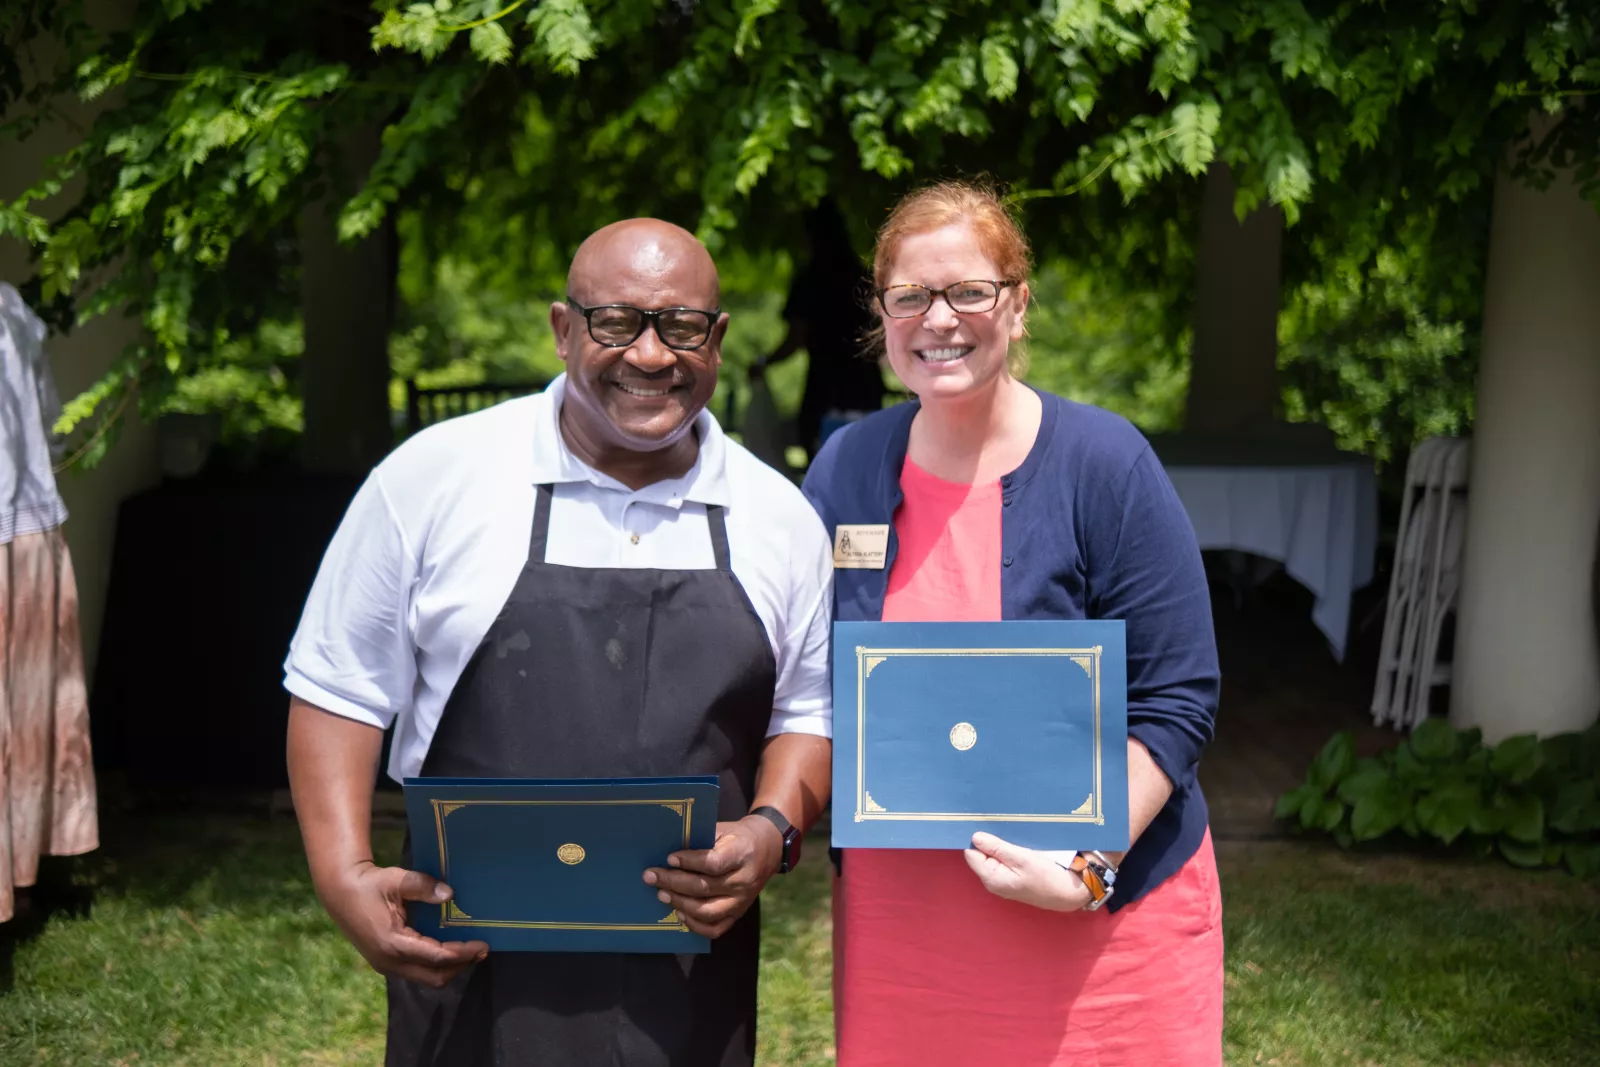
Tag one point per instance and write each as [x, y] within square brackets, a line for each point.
[592, 582]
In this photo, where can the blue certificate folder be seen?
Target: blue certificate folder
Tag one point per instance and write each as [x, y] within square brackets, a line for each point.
[942, 729]
[556, 865]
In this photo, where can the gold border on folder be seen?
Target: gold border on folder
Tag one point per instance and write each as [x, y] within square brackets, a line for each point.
[1091, 810]
[451, 915]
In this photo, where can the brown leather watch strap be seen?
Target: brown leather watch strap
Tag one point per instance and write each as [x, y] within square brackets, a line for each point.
[1080, 865]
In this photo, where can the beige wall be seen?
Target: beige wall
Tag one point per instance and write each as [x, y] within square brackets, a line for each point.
[79, 359]
[1525, 653]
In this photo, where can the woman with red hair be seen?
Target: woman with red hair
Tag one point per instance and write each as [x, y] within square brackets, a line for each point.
[1005, 502]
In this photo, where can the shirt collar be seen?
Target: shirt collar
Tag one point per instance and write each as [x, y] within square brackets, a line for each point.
[553, 462]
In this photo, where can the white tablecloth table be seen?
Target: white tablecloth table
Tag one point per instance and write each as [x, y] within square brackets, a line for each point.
[1311, 508]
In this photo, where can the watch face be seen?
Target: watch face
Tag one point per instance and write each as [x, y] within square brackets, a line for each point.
[791, 849]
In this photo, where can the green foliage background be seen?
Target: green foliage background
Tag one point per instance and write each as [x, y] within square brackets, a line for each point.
[512, 128]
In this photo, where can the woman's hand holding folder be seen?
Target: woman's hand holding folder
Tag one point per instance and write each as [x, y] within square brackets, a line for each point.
[1025, 875]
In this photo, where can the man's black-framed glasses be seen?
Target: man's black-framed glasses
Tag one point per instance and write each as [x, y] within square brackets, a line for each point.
[964, 298]
[619, 325]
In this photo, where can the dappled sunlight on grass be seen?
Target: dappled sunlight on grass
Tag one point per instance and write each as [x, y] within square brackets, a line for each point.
[1388, 959]
[205, 947]
[796, 997]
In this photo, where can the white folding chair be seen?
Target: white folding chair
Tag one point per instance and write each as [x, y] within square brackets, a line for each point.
[1444, 581]
[1425, 549]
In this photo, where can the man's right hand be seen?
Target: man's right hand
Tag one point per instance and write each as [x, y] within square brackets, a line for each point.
[333, 762]
[370, 907]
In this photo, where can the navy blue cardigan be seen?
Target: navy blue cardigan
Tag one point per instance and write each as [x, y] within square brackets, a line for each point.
[1090, 529]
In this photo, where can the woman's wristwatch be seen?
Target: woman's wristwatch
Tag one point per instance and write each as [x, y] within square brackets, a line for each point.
[1099, 876]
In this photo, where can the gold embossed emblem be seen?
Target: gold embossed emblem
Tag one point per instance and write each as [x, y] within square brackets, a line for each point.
[570, 854]
[963, 735]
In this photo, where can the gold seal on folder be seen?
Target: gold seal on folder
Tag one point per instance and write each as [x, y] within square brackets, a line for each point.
[963, 735]
[570, 854]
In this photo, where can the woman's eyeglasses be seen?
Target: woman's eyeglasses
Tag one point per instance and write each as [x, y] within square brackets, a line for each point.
[964, 298]
[619, 325]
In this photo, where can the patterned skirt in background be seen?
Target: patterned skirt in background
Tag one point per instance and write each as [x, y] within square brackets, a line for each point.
[47, 794]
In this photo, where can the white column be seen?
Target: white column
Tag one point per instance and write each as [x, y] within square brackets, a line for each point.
[1526, 656]
[1233, 371]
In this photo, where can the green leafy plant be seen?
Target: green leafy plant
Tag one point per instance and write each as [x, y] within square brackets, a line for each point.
[1534, 800]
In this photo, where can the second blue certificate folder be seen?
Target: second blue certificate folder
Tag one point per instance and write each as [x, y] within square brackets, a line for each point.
[557, 865]
[942, 729]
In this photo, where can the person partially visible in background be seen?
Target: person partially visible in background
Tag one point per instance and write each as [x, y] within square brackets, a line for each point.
[829, 313]
[47, 786]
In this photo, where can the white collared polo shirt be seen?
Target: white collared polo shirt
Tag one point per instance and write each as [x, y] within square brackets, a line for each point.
[436, 537]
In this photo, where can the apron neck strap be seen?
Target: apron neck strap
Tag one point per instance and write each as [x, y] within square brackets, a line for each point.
[541, 524]
[719, 537]
[540, 537]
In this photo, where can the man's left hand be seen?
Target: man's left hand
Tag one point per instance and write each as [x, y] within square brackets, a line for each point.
[712, 888]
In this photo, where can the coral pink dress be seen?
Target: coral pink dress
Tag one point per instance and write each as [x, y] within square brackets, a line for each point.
[932, 969]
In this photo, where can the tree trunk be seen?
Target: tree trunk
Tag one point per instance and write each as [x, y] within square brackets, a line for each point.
[347, 297]
[1233, 372]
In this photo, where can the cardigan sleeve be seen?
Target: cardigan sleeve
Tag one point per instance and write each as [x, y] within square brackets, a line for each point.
[819, 485]
[1153, 580]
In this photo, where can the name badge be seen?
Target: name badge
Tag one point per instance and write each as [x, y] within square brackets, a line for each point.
[861, 547]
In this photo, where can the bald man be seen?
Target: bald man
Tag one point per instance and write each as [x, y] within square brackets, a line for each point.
[592, 582]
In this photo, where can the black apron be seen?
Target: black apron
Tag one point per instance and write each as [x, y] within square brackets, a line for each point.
[604, 672]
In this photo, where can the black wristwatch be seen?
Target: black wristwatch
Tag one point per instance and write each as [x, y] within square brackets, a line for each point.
[791, 836]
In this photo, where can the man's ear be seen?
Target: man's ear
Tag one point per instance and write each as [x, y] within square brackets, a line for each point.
[719, 330]
[561, 326]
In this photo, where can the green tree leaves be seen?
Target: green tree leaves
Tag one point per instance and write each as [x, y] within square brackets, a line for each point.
[491, 43]
[1195, 124]
[565, 34]
[999, 64]
[410, 144]
[1375, 127]
[751, 13]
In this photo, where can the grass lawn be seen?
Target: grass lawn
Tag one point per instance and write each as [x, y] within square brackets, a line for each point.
[206, 947]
